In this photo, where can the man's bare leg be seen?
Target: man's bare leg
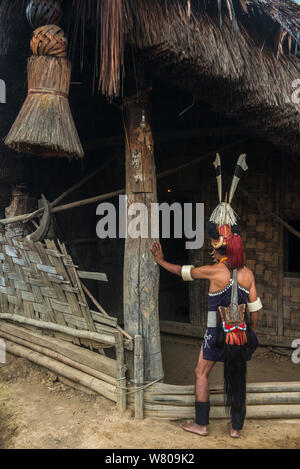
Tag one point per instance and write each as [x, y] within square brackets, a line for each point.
[202, 373]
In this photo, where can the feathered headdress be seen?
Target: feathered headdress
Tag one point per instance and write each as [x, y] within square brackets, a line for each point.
[223, 220]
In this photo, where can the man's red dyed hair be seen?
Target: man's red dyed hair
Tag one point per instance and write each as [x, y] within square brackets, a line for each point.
[235, 252]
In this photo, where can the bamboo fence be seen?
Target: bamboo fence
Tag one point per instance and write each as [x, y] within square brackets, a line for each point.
[173, 402]
[45, 318]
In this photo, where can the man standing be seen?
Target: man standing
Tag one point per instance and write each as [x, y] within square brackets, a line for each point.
[230, 336]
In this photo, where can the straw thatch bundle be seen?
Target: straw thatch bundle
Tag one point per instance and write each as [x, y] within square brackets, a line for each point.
[45, 125]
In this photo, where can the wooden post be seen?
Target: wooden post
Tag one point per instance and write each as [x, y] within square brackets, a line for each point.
[139, 377]
[141, 273]
[121, 374]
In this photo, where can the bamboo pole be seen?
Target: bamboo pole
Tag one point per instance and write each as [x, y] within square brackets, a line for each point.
[108, 339]
[121, 374]
[139, 376]
[81, 355]
[59, 357]
[76, 386]
[217, 412]
[173, 389]
[218, 399]
[105, 389]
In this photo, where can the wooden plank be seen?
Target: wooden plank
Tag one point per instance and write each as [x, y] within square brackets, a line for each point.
[138, 376]
[92, 276]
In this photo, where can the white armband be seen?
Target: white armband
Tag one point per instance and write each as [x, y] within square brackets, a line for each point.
[255, 306]
[186, 273]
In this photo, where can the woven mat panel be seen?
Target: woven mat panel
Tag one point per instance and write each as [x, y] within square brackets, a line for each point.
[40, 281]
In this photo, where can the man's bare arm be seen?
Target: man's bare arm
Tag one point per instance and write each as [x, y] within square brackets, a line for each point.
[205, 272]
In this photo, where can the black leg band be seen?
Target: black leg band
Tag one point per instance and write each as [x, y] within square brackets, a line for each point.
[202, 413]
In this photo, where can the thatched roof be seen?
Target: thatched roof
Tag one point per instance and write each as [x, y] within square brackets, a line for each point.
[240, 55]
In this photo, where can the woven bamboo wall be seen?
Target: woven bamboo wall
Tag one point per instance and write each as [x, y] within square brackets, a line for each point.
[39, 281]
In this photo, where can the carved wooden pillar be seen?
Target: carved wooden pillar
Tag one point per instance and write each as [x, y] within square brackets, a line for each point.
[141, 274]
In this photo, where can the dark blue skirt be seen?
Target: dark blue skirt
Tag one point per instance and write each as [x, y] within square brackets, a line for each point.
[213, 353]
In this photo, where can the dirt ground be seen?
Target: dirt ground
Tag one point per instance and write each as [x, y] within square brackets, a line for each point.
[38, 411]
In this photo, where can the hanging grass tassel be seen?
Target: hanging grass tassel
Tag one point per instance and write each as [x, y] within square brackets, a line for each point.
[45, 126]
[112, 47]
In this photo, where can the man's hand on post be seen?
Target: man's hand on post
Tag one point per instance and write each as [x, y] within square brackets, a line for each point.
[157, 251]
